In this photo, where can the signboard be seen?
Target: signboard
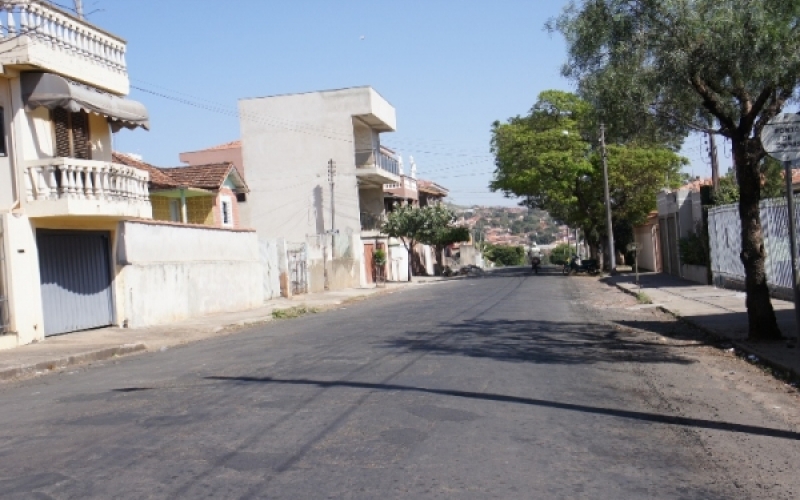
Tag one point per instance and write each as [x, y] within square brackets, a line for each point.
[781, 137]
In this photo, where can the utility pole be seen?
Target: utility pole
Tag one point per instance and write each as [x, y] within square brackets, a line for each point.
[79, 8]
[612, 258]
[331, 179]
[712, 150]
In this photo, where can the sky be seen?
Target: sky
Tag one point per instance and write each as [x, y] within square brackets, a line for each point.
[449, 67]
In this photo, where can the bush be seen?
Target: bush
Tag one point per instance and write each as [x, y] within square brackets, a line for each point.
[692, 250]
[505, 255]
[561, 254]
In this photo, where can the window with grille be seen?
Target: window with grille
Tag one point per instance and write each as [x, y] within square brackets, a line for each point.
[226, 211]
[72, 134]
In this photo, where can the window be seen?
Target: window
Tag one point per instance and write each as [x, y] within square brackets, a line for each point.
[72, 134]
[174, 210]
[241, 197]
[226, 211]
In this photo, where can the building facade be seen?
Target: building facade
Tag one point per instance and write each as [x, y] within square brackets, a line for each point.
[316, 172]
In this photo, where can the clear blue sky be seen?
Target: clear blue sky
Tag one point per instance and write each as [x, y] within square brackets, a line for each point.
[450, 68]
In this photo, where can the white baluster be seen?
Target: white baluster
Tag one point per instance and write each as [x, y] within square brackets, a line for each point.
[89, 182]
[52, 190]
[99, 194]
[23, 19]
[102, 183]
[12, 25]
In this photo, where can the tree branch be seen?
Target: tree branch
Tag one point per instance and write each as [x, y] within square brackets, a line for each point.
[712, 104]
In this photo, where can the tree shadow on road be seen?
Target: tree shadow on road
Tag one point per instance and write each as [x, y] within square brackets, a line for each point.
[502, 398]
[533, 341]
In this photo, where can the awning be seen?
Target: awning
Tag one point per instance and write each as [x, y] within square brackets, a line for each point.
[54, 91]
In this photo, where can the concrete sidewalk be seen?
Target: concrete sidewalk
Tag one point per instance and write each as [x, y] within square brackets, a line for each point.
[104, 343]
[720, 313]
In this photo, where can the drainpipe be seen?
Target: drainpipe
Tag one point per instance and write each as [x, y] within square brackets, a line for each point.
[184, 217]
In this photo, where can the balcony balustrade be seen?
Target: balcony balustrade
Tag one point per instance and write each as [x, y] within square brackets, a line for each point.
[376, 168]
[69, 186]
[371, 221]
[42, 35]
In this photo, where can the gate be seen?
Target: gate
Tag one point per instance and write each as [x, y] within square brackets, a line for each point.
[76, 280]
[296, 256]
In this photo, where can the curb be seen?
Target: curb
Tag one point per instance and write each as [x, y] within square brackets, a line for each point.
[746, 349]
[76, 359]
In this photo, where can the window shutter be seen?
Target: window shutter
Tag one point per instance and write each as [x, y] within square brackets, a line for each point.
[80, 135]
[61, 122]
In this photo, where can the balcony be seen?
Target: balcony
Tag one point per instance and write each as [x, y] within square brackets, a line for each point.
[372, 222]
[376, 168]
[68, 186]
[38, 35]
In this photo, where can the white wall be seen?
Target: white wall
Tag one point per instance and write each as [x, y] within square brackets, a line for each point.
[22, 280]
[172, 272]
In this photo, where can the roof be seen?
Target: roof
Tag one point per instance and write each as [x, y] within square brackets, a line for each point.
[210, 176]
[157, 177]
[431, 187]
[228, 145]
[697, 183]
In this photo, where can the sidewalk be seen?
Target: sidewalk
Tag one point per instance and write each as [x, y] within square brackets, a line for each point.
[719, 312]
[104, 343]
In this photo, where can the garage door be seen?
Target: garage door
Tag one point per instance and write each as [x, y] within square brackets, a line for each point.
[76, 280]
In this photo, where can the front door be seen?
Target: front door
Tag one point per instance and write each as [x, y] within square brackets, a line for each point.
[369, 248]
[76, 280]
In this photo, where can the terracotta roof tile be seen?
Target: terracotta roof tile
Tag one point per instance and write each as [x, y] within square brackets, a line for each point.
[210, 176]
[157, 178]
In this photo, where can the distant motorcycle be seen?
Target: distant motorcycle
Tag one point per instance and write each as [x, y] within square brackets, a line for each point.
[577, 266]
[535, 263]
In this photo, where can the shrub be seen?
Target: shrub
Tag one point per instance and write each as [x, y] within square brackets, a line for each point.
[561, 254]
[692, 250]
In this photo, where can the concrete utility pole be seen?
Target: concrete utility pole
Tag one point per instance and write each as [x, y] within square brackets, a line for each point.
[612, 258]
[712, 151]
[331, 179]
[79, 8]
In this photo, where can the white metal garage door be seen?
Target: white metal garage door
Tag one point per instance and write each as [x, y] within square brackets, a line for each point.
[76, 280]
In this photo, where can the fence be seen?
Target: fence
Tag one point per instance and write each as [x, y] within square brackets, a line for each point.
[725, 238]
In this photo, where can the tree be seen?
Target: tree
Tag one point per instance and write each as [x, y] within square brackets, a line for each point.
[549, 158]
[430, 225]
[677, 63]
[505, 255]
[561, 254]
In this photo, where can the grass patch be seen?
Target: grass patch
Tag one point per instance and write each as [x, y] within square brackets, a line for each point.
[643, 298]
[293, 312]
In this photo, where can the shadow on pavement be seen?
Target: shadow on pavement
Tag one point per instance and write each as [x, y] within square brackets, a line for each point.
[637, 415]
[542, 342]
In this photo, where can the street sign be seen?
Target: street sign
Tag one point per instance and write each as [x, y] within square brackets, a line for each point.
[781, 137]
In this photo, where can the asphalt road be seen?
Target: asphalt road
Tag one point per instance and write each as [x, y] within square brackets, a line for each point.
[506, 386]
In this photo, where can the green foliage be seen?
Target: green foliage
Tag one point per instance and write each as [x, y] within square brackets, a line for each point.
[665, 67]
[505, 255]
[549, 157]
[728, 191]
[643, 298]
[293, 312]
[774, 184]
[379, 257]
[561, 254]
[693, 250]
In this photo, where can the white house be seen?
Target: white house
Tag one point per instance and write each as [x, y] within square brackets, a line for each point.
[288, 142]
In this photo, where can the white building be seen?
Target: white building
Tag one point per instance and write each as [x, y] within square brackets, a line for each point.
[287, 144]
[72, 257]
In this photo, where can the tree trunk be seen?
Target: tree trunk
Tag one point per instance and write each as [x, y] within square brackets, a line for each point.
[762, 324]
[410, 260]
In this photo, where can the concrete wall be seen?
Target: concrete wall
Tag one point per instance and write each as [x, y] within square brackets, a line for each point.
[270, 262]
[22, 282]
[175, 272]
[647, 238]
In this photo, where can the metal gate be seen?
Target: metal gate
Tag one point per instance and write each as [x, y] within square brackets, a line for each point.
[297, 269]
[76, 280]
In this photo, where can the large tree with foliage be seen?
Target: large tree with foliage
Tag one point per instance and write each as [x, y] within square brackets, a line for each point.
[430, 225]
[550, 157]
[683, 64]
